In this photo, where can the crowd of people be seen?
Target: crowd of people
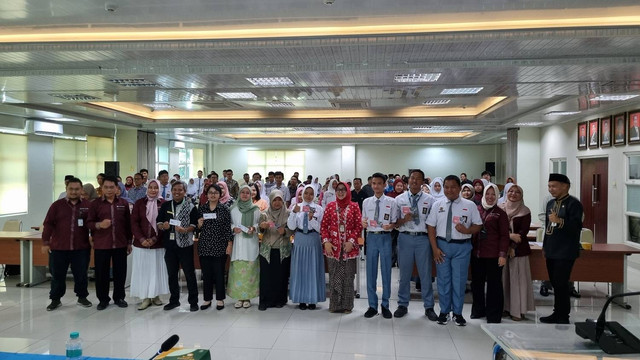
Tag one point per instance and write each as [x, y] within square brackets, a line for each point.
[279, 237]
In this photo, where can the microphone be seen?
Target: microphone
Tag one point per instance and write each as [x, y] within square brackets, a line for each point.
[167, 345]
[617, 339]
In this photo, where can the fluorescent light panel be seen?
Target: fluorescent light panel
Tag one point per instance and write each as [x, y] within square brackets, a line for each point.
[281, 104]
[462, 91]
[160, 106]
[614, 97]
[61, 119]
[437, 102]
[405, 78]
[529, 124]
[562, 113]
[238, 95]
[271, 81]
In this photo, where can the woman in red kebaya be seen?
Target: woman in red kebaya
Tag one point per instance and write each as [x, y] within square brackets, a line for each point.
[340, 229]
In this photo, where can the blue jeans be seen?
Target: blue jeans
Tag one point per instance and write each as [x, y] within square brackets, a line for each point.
[414, 249]
[452, 275]
[378, 245]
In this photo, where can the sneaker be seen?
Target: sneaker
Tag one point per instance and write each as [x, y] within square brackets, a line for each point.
[156, 301]
[386, 313]
[84, 302]
[371, 312]
[144, 304]
[459, 320]
[400, 311]
[54, 305]
[443, 319]
[430, 314]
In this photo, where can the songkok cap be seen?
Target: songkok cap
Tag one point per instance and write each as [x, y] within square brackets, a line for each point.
[560, 178]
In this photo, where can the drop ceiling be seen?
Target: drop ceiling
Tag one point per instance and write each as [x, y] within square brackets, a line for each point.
[338, 66]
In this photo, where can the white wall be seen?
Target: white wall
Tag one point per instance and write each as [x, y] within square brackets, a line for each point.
[529, 168]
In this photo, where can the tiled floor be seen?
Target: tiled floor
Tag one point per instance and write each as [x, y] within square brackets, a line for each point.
[287, 333]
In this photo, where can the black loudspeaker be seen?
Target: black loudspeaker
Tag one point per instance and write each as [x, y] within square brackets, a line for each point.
[112, 168]
[490, 167]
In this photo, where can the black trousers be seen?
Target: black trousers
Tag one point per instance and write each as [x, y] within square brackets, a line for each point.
[274, 279]
[213, 272]
[559, 272]
[59, 261]
[491, 304]
[176, 257]
[104, 260]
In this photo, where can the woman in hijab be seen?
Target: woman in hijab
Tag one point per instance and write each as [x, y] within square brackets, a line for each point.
[340, 229]
[516, 276]
[437, 190]
[489, 255]
[226, 198]
[244, 273]
[214, 227]
[505, 191]
[275, 253]
[128, 183]
[307, 263]
[149, 277]
[203, 195]
[89, 192]
[330, 194]
[257, 199]
[398, 188]
[478, 187]
[467, 192]
[297, 199]
[192, 189]
[122, 192]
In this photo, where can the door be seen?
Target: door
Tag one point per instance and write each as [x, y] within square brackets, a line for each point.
[594, 185]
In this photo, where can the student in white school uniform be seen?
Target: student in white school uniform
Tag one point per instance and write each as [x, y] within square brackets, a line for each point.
[379, 216]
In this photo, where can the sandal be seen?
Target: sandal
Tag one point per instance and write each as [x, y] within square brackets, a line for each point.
[238, 304]
[246, 304]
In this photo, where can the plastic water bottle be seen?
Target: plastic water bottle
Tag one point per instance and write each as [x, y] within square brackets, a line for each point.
[74, 346]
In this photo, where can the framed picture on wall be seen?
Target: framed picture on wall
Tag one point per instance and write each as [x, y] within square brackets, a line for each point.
[582, 136]
[620, 125]
[633, 131]
[594, 138]
[605, 131]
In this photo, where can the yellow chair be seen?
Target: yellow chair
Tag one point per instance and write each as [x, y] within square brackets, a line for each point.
[12, 225]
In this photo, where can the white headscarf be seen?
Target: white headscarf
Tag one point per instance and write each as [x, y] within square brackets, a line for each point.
[440, 193]
[484, 194]
[304, 202]
[503, 199]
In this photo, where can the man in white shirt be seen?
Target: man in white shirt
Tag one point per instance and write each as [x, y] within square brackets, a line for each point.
[379, 216]
[165, 187]
[199, 183]
[412, 208]
[279, 185]
[451, 223]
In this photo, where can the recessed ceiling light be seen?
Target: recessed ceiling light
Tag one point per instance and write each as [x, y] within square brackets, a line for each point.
[393, 132]
[238, 95]
[614, 97]
[61, 119]
[281, 104]
[422, 127]
[437, 102]
[429, 77]
[271, 81]
[138, 82]
[562, 113]
[529, 124]
[503, 138]
[462, 91]
[160, 106]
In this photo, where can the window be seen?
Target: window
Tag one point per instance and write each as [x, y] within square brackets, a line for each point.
[189, 162]
[162, 156]
[558, 166]
[632, 206]
[82, 159]
[13, 164]
[263, 161]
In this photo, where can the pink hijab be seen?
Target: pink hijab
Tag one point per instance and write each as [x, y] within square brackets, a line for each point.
[152, 207]
[223, 185]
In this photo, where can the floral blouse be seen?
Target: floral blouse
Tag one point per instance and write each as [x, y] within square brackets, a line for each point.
[339, 226]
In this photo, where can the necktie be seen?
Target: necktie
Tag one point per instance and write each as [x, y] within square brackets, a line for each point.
[164, 191]
[376, 215]
[305, 223]
[449, 222]
[414, 209]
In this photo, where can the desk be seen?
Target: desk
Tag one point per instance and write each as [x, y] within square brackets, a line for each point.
[16, 356]
[603, 263]
[17, 248]
[547, 341]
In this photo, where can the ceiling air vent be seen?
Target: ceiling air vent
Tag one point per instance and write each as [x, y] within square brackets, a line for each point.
[75, 97]
[350, 104]
[140, 82]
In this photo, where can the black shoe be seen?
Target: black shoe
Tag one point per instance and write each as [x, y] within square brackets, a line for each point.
[574, 293]
[418, 286]
[121, 303]
[371, 312]
[262, 307]
[386, 313]
[312, 306]
[102, 305]
[84, 302]
[280, 305]
[171, 306]
[220, 307]
[193, 307]
[443, 319]
[459, 320]
[302, 306]
[551, 319]
[400, 311]
[430, 314]
[477, 316]
[54, 305]
[544, 291]
[205, 306]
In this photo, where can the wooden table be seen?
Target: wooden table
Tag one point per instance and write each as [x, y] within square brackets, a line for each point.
[603, 263]
[17, 248]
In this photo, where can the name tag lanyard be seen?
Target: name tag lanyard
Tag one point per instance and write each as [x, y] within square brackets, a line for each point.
[342, 229]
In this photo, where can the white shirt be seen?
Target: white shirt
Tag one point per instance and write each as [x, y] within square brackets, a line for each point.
[199, 183]
[168, 195]
[296, 220]
[464, 211]
[388, 212]
[244, 248]
[425, 202]
[284, 189]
